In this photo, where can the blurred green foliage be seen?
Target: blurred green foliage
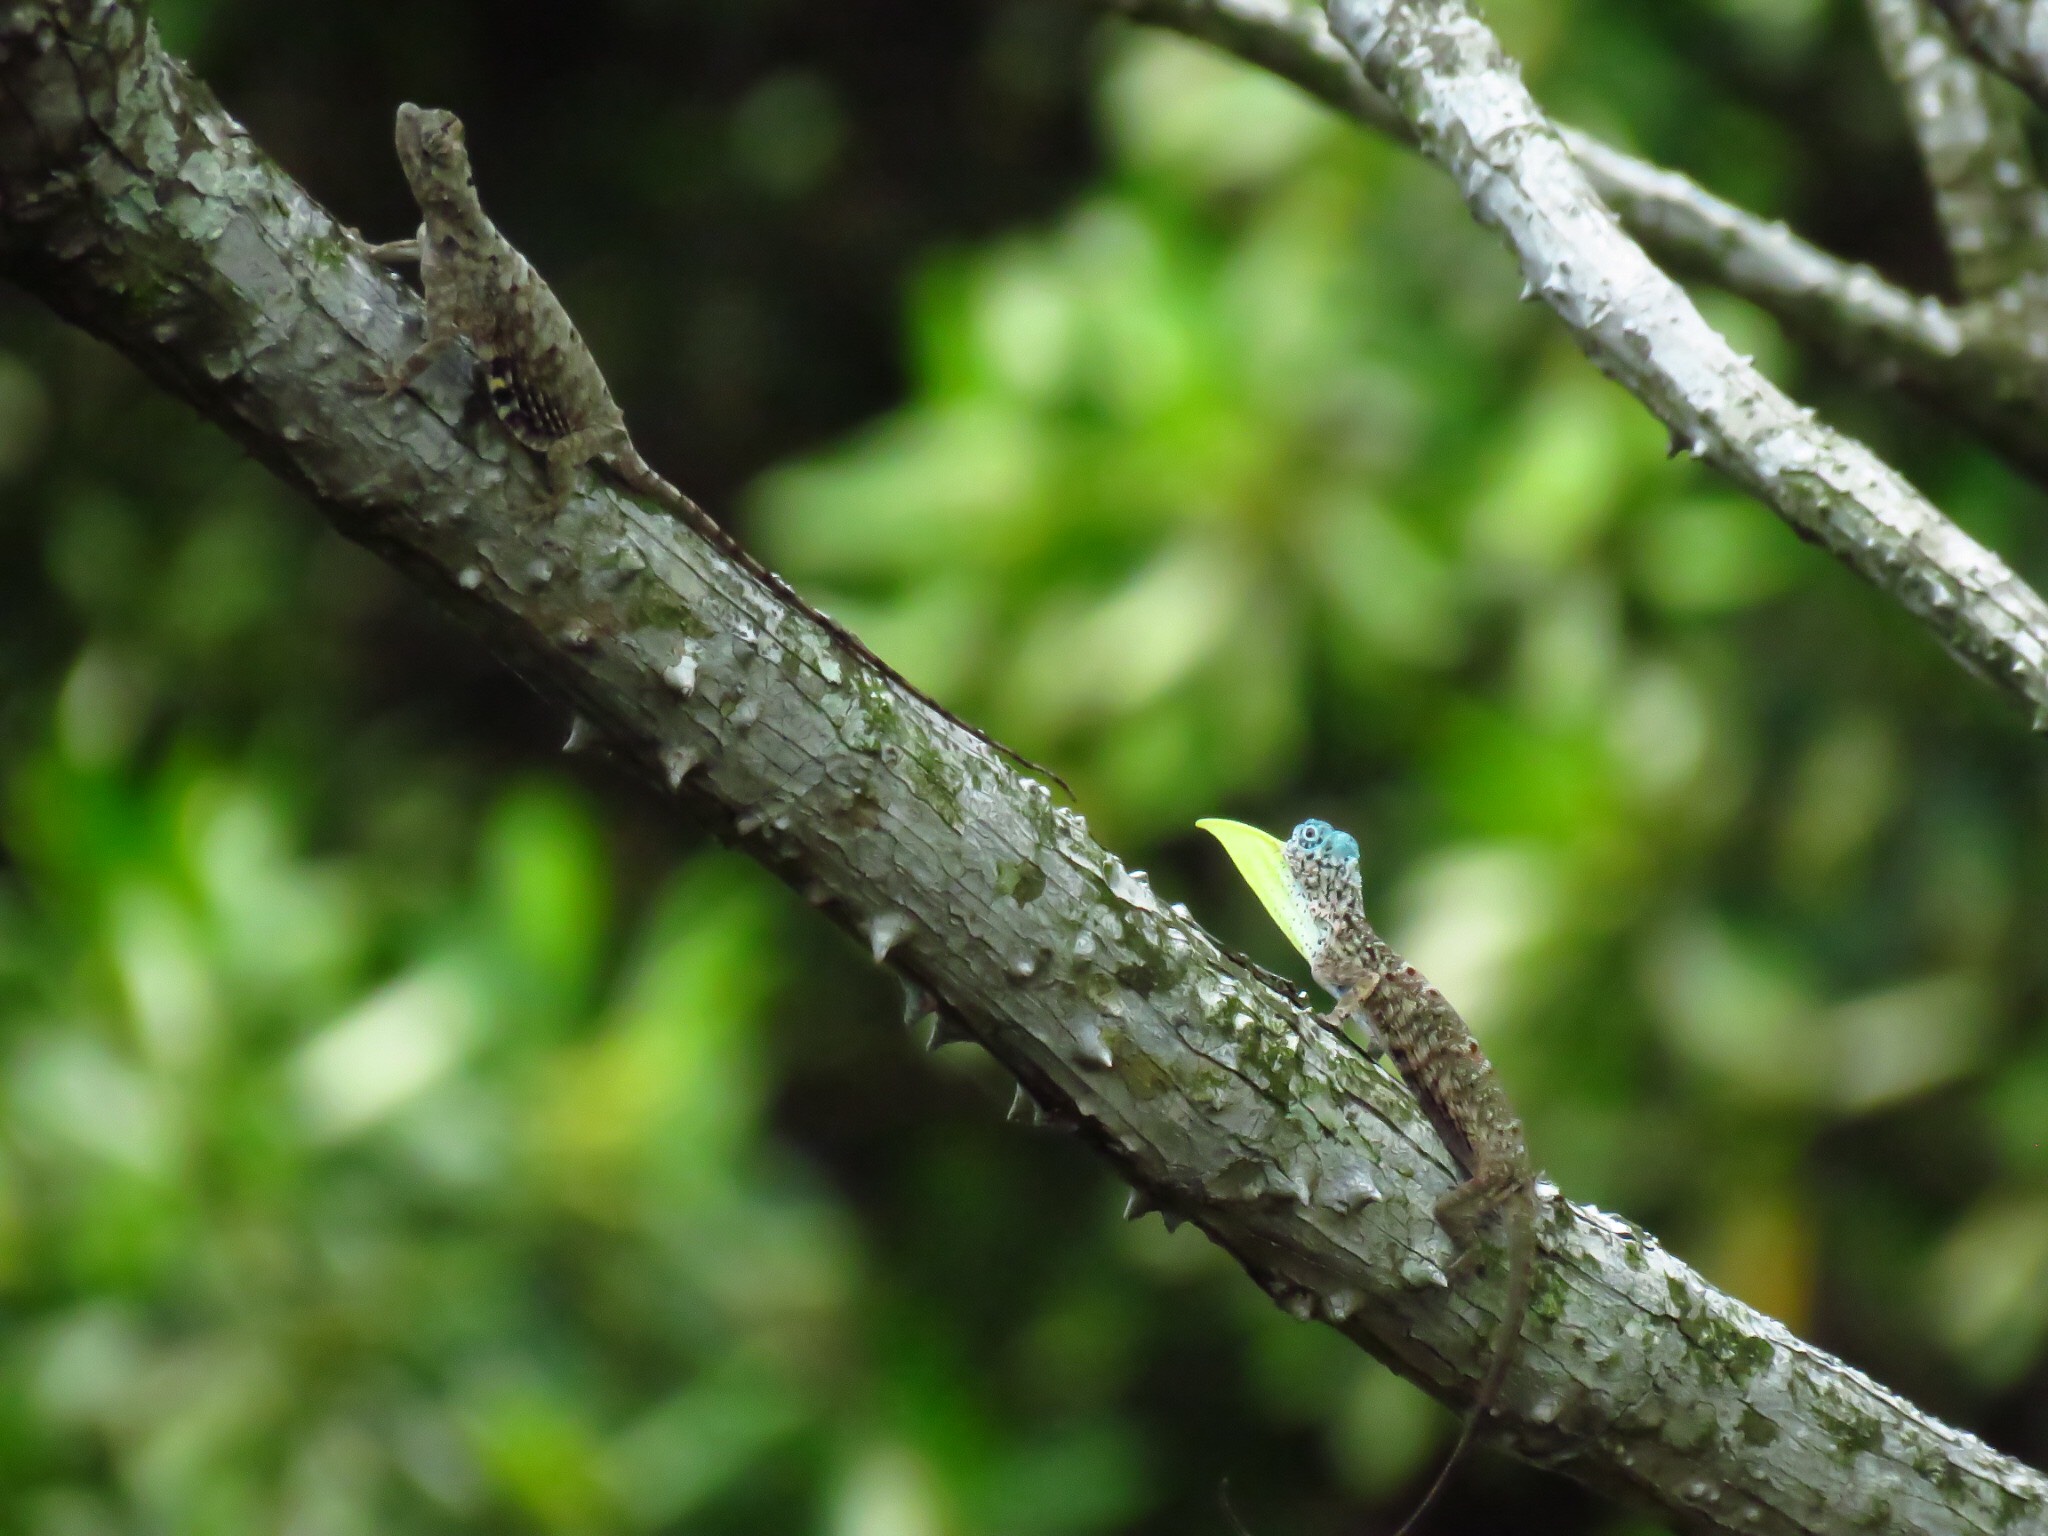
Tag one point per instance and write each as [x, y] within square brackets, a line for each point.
[403, 1131]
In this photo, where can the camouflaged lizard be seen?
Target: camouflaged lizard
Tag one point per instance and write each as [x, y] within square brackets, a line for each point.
[1311, 886]
[543, 382]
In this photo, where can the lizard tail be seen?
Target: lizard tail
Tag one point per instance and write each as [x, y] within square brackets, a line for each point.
[1521, 1236]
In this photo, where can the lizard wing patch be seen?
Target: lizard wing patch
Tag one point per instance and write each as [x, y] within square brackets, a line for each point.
[532, 415]
[1262, 859]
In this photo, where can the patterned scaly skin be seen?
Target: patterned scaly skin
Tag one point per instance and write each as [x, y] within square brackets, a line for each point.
[544, 384]
[1444, 1068]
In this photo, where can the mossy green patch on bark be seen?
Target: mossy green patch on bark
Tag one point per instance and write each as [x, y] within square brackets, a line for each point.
[1549, 1296]
[1023, 882]
[936, 777]
[2013, 1508]
[1723, 1352]
[1855, 1432]
[330, 252]
[1939, 1471]
[1143, 975]
[1757, 1429]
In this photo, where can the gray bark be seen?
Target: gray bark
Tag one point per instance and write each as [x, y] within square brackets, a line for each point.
[1471, 114]
[1981, 363]
[1984, 363]
[2009, 35]
[132, 204]
[1973, 144]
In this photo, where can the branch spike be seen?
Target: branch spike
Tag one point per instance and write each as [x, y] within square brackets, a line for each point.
[918, 1003]
[885, 931]
[1024, 1109]
[676, 763]
[947, 1030]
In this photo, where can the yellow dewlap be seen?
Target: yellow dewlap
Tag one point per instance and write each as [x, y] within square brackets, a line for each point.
[1261, 858]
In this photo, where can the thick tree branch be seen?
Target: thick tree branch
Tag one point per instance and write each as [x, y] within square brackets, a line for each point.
[1993, 214]
[133, 205]
[2009, 35]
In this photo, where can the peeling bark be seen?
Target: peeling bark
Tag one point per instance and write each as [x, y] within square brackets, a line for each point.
[134, 206]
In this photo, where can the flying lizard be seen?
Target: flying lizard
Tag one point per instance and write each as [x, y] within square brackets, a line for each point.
[544, 384]
[1310, 886]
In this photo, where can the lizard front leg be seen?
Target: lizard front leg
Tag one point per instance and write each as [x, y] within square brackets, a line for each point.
[441, 335]
[1352, 998]
[394, 253]
[1351, 1003]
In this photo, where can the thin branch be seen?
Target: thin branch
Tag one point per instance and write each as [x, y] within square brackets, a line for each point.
[1978, 363]
[1846, 307]
[131, 204]
[1640, 328]
[1289, 39]
[1993, 214]
[1981, 363]
[2009, 35]
[1446, 72]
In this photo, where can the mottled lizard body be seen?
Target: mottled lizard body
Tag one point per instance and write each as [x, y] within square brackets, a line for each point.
[1311, 885]
[544, 384]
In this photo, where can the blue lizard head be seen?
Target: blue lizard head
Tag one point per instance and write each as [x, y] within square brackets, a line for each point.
[1319, 840]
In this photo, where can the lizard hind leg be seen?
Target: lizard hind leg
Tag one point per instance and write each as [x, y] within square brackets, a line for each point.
[566, 455]
[416, 362]
[1465, 1208]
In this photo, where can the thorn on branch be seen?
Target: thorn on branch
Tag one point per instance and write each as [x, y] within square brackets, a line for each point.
[1024, 1109]
[885, 931]
[683, 675]
[947, 1030]
[918, 1004]
[676, 764]
[1093, 1050]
